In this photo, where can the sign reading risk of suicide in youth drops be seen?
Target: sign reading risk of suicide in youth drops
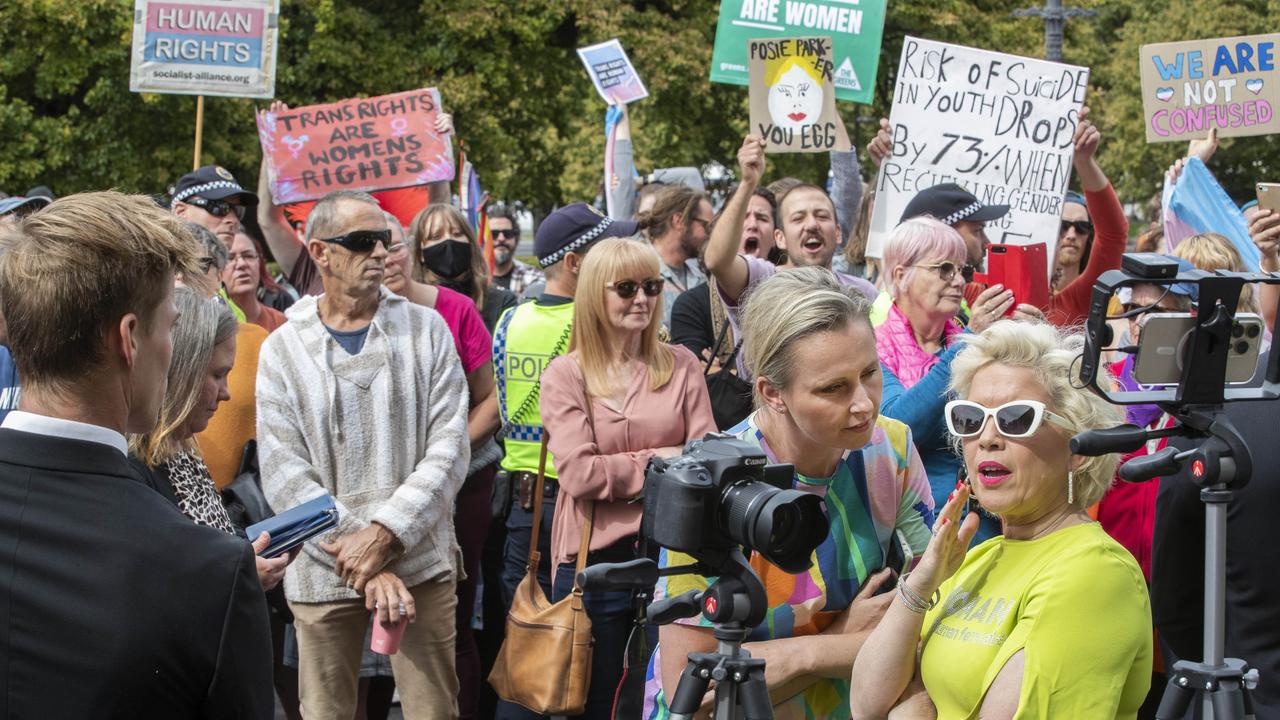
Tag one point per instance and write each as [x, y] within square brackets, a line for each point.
[205, 47]
[854, 26]
[1229, 83]
[1000, 126]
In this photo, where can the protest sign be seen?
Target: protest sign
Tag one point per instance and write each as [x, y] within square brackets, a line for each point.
[1230, 84]
[611, 71]
[360, 144]
[854, 27]
[205, 47]
[1001, 126]
[793, 106]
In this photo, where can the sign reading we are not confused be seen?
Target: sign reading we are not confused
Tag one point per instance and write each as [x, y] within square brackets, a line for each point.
[1231, 84]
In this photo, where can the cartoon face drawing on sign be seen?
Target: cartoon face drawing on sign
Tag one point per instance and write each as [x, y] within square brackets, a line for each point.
[795, 92]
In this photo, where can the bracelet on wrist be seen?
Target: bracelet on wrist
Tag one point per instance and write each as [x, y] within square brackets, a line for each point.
[913, 600]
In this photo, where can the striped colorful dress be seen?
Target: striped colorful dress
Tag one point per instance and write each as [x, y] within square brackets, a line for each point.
[877, 498]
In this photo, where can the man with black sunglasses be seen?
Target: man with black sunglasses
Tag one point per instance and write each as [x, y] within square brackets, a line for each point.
[361, 396]
[508, 272]
[211, 197]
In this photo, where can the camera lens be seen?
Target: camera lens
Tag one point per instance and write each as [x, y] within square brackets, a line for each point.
[1237, 330]
[785, 526]
[1242, 347]
[1252, 331]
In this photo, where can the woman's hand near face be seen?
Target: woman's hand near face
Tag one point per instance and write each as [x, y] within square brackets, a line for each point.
[946, 551]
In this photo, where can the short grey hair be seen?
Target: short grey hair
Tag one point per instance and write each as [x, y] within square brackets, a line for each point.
[788, 307]
[212, 246]
[322, 222]
[1054, 357]
[203, 324]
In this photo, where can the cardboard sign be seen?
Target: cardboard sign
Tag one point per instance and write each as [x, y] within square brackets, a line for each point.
[998, 125]
[855, 28]
[611, 71]
[360, 144]
[1230, 84]
[793, 103]
[205, 47]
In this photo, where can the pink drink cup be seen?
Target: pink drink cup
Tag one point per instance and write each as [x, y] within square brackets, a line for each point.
[386, 638]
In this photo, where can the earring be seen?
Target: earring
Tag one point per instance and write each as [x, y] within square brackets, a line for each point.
[1071, 487]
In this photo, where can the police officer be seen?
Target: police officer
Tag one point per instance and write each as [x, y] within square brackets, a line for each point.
[525, 340]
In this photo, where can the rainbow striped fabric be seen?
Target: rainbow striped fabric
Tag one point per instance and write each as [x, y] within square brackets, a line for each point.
[877, 494]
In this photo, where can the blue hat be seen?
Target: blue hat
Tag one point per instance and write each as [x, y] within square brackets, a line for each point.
[951, 204]
[30, 204]
[572, 228]
[211, 182]
[1186, 289]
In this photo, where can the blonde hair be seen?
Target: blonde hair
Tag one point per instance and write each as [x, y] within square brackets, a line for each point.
[612, 260]
[434, 217]
[1211, 251]
[814, 302]
[1053, 356]
[71, 271]
[203, 324]
[776, 68]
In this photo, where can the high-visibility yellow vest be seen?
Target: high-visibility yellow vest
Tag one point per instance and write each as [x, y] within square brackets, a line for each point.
[525, 341]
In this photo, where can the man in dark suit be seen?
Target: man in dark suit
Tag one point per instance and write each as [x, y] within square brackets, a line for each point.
[112, 604]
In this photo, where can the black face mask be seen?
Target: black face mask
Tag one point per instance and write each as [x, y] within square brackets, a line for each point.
[449, 260]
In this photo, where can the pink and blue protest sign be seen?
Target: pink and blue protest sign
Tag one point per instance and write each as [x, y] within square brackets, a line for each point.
[1228, 84]
[205, 47]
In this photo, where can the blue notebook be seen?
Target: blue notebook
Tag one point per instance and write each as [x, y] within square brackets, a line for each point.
[295, 526]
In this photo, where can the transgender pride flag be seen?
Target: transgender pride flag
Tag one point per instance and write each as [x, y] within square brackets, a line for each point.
[1198, 204]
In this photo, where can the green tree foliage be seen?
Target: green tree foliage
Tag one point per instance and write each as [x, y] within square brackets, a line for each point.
[508, 71]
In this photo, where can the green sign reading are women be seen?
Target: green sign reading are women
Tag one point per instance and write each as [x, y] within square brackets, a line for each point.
[855, 28]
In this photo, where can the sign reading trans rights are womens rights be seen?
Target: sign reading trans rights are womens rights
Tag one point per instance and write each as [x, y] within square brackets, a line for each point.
[1231, 84]
[205, 47]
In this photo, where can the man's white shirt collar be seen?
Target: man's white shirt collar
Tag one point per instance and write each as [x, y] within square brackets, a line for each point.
[69, 429]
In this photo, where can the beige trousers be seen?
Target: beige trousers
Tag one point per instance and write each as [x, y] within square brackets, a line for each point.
[331, 642]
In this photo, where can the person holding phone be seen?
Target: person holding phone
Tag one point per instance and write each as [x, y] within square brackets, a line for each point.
[924, 264]
[1052, 619]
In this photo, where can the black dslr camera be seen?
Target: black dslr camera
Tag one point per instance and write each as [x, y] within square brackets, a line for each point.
[723, 494]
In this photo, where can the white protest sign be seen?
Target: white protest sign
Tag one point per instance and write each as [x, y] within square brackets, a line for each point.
[205, 47]
[1001, 126]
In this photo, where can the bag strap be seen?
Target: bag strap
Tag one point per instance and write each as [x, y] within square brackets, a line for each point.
[534, 556]
[584, 545]
[716, 349]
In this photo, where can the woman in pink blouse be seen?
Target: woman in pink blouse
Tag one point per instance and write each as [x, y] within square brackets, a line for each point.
[617, 399]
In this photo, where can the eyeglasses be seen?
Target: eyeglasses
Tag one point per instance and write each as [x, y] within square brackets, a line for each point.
[249, 257]
[503, 233]
[217, 208]
[362, 241]
[1083, 227]
[626, 289]
[947, 271]
[1017, 419]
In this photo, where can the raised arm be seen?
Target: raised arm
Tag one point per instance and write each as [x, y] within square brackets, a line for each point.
[438, 192]
[846, 190]
[1265, 231]
[622, 186]
[721, 257]
[275, 227]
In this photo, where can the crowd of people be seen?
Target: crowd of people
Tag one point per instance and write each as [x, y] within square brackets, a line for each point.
[167, 366]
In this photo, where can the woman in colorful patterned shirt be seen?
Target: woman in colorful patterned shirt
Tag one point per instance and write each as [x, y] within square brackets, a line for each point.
[1050, 620]
[817, 392]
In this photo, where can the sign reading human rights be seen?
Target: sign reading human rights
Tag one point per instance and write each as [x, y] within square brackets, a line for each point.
[855, 27]
[1000, 126]
[793, 104]
[1230, 84]
[364, 144]
[205, 47]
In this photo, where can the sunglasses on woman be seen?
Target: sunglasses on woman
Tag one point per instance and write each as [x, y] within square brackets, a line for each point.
[1082, 227]
[626, 289]
[362, 241]
[947, 271]
[1017, 419]
[217, 208]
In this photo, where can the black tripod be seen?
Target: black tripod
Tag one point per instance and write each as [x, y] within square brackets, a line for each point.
[1220, 464]
[736, 602]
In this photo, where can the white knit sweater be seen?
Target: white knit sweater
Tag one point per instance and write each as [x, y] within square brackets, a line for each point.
[384, 432]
